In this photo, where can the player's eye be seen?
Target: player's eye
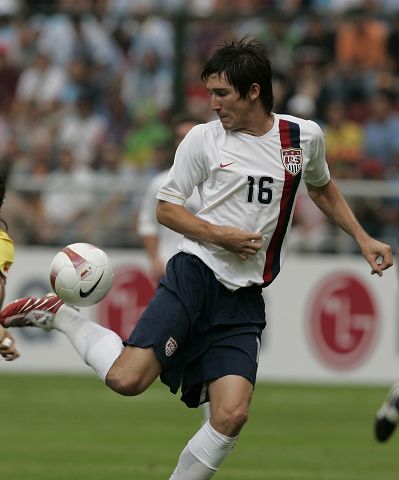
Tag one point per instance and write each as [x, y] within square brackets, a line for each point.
[217, 93]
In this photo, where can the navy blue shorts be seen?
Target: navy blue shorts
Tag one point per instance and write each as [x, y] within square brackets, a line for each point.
[200, 330]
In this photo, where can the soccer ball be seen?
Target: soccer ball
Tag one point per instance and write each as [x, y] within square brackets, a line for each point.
[81, 274]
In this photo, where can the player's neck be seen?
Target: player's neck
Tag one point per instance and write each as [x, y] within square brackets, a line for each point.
[259, 125]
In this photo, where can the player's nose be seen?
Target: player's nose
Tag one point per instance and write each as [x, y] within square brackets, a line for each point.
[215, 103]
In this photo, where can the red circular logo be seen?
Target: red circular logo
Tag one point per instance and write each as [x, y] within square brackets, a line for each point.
[343, 321]
[131, 291]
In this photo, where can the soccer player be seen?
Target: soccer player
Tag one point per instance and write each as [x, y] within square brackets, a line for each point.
[202, 330]
[7, 343]
[161, 242]
[387, 417]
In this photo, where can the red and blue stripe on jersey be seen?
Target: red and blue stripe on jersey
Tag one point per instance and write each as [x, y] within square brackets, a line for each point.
[289, 138]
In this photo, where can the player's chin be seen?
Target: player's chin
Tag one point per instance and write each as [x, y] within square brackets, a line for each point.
[226, 123]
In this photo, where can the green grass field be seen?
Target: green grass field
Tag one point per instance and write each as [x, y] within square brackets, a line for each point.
[73, 428]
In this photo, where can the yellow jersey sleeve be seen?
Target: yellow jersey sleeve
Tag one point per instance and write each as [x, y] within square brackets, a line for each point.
[6, 252]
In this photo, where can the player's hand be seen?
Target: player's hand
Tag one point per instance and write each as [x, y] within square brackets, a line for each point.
[379, 256]
[7, 345]
[242, 243]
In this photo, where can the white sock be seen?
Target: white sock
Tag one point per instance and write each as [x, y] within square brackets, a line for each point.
[203, 454]
[206, 411]
[96, 345]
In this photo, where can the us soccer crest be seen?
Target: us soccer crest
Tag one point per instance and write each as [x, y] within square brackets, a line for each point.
[170, 347]
[292, 160]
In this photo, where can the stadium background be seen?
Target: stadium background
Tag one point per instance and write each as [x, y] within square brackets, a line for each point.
[88, 93]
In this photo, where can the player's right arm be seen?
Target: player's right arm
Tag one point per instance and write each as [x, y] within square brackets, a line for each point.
[181, 220]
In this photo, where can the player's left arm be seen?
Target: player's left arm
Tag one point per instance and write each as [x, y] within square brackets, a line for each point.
[332, 203]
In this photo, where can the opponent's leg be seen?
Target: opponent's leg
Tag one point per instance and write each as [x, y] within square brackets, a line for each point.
[206, 411]
[230, 397]
[387, 417]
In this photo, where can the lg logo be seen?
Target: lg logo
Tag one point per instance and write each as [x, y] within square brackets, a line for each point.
[343, 321]
[131, 291]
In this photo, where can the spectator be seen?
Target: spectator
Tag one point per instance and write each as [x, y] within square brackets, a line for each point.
[342, 6]
[21, 206]
[282, 39]
[66, 203]
[152, 33]
[149, 81]
[77, 79]
[381, 129]
[41, 84]
[75, 32]
[344, 142]
[116, 116]
[83, 129]
[388, 7]
[148, 133]
[302, 106]
[117, 197]
[9, 26]
[393, 44]
[26, 45]
[361, 42]
[317, 42]
[9, 75]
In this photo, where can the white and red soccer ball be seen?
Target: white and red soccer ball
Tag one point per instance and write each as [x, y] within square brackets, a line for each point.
[81, 274]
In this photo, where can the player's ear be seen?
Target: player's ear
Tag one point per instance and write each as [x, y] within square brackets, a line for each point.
[254, 91]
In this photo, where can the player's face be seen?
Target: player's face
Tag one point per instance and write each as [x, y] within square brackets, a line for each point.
[227, 104]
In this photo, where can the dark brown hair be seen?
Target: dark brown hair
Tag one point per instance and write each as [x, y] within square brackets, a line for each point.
[243, 62]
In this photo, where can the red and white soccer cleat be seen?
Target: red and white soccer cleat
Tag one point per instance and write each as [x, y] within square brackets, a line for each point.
[31, 311]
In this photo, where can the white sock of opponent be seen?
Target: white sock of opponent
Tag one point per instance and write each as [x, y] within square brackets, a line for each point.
[206, 411]
[203, 454]
[96, 345]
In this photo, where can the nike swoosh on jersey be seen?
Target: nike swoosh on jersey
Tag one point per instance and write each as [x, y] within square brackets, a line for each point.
[224, 165]
[86, 294]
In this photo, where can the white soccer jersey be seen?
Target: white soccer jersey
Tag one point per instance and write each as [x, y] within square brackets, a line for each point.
[148, 224]
[247, 182]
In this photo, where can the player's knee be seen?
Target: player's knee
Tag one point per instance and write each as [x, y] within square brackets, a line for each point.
[129, 385]
[230, 421]
[237, 418]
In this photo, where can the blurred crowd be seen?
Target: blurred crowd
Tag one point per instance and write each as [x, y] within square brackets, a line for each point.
[90, 88]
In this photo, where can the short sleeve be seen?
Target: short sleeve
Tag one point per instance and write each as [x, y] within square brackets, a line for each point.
[316, 172]
[189, 168]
